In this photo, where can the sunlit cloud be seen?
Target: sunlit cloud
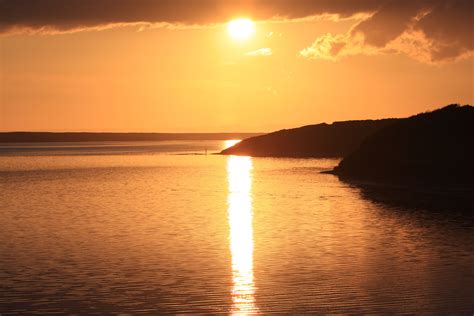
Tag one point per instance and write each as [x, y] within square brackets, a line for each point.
[428, 31]
[326, 47]
[262, 52]
[273, 35]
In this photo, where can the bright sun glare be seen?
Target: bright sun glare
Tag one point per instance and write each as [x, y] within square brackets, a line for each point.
[241, 29]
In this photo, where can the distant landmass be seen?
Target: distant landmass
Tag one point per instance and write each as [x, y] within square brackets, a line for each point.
[434, 148]
[319, 141]
[34, 137]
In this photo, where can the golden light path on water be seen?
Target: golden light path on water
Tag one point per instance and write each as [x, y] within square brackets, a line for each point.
[239, 171]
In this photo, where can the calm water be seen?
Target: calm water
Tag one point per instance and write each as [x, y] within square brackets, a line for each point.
[145, 228]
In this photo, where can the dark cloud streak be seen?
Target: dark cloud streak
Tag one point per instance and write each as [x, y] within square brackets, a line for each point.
[66, 15]
[432, 30]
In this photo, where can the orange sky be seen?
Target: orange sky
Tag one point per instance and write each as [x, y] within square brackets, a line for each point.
[197, 78]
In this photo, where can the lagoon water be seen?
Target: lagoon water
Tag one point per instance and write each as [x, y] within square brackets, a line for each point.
[153, 228]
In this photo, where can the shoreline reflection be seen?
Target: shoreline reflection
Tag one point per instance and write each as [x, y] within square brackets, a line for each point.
[239, 171]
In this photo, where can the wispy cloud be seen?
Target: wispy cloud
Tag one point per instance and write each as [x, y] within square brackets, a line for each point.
[260, 52]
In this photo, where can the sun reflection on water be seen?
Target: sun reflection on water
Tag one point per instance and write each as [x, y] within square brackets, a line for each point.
[239, 171]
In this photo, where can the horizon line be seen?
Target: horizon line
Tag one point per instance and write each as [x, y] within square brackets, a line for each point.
[124, 132]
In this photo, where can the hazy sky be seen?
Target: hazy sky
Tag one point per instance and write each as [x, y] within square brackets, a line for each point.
[171, 65]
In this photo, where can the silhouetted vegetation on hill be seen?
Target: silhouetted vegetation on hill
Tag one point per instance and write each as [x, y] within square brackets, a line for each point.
[321, 140]
[434, 148]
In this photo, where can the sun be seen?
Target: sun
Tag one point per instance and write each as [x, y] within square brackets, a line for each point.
[241, 29]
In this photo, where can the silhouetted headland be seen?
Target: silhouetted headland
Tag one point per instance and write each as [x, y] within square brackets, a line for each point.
[33, 137]
[429, 149]
[318, 141]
